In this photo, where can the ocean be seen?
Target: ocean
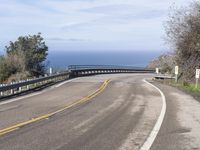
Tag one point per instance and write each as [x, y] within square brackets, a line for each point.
[61, 59]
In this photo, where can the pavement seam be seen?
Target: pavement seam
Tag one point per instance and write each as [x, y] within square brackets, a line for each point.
[80, 101]
[153, 134]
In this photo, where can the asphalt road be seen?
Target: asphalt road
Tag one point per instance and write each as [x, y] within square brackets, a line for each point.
[119, 116]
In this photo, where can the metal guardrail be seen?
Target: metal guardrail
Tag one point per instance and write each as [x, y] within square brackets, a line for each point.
[86, 67]
[85, 70]
[73, 71]
[164, 77]
[10, 89]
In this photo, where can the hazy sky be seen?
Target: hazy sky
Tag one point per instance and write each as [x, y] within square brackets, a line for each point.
[88, 24]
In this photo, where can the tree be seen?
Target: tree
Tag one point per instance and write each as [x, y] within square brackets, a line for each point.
[32, 52]
[24, 58]
[183, 33]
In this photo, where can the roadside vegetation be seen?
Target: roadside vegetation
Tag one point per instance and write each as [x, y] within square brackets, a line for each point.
[183, 35]
[165, 62]
[24, 58]
[189, 87]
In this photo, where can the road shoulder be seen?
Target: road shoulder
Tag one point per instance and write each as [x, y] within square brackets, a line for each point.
[181, 126]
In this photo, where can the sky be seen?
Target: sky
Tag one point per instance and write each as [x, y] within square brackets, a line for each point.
[88, 25]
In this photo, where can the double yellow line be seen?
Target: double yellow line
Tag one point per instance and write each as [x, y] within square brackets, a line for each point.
[46, 116]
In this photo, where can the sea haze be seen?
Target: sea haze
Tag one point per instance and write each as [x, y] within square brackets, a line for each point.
[61, 59]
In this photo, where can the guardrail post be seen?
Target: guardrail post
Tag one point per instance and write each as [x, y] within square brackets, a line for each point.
[1, 93]
[27, 85]
[20, 89]
[35, 85]
[11, 91]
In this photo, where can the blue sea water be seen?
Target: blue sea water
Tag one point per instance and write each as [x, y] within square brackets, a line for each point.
[62, 59]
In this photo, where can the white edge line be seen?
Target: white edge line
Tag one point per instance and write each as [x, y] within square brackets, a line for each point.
[35, 94]
[152, 136]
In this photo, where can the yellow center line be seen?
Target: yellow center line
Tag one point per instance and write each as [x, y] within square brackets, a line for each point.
[80, 101]
[8, 131]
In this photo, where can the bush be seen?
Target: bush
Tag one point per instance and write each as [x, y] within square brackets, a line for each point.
[165, 62]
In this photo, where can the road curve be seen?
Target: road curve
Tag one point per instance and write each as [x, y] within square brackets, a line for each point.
[119, 117]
